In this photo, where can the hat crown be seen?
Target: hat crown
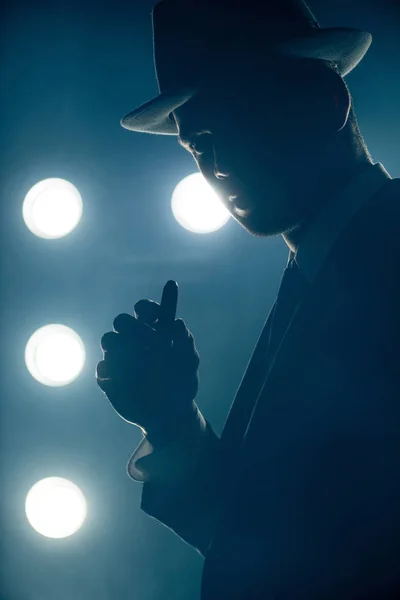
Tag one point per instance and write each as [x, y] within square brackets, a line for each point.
[275, 10]
[191, 36]
[195, 40]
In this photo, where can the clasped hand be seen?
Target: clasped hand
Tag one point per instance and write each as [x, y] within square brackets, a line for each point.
[149, 370]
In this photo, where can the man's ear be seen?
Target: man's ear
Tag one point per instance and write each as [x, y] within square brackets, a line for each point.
[340, 102]
[324, 100]
[334, 104]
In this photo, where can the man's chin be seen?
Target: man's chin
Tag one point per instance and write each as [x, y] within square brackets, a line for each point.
[260, 224]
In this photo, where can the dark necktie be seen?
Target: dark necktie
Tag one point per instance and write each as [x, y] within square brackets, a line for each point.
[293, 286]
[291, 291]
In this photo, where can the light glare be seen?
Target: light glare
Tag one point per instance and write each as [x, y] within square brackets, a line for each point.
[196, 206]
[52, 208]
[55, 507]
[55, 355]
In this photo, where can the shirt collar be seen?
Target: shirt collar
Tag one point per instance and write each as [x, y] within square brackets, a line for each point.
[327, 225]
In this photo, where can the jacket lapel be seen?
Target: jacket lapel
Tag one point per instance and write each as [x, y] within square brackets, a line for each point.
[259, 378]
[327, 295]
[248, 391]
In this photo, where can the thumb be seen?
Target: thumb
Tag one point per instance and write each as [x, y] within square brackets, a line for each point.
[184, 347]
[180, 333]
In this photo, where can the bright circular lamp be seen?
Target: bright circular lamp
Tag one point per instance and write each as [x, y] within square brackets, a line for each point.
[55, 507]
[52, 208]
[55, 355]
[196, 206]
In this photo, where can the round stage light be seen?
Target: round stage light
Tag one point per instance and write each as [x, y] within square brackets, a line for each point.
[52, 208]
[196, 206]
[55, 355]
[55, 507]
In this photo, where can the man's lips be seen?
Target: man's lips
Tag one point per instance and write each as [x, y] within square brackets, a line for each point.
[241, 205]
[239, 201]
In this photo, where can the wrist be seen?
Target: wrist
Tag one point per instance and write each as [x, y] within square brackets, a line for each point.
[165, 432]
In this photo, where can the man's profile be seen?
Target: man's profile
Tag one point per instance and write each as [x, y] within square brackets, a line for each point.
[299, 497]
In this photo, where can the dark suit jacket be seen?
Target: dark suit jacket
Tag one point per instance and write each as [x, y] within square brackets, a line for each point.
[311, 509]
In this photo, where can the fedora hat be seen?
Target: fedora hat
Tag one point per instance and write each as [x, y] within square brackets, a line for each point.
[193, 38]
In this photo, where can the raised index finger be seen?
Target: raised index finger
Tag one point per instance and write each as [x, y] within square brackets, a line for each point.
[168, 306]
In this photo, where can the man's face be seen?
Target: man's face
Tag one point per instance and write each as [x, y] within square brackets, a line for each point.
[249, 142]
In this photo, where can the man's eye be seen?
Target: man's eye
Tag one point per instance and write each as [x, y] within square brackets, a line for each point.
[197, 145]
[201, 145]
[194, 148]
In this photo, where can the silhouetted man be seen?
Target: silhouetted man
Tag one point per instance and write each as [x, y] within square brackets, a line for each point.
[300, 497]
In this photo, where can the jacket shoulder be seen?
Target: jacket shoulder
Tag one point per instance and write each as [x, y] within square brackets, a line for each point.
[364, 263]
[370, 242]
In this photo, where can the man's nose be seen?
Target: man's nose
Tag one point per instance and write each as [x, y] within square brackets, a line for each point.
[220, 171]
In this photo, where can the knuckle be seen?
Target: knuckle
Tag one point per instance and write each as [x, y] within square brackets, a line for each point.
[142, 303]
[147, 310]
[102, 370]
[107, 340]
[98, 369]
[122, 322]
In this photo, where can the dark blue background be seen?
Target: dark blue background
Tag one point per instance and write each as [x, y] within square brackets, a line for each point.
[69, 71]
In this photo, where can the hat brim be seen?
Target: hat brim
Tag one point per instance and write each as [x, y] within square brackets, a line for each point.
[341, 45]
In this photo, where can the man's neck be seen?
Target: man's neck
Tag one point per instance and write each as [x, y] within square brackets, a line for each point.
[327, 186]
